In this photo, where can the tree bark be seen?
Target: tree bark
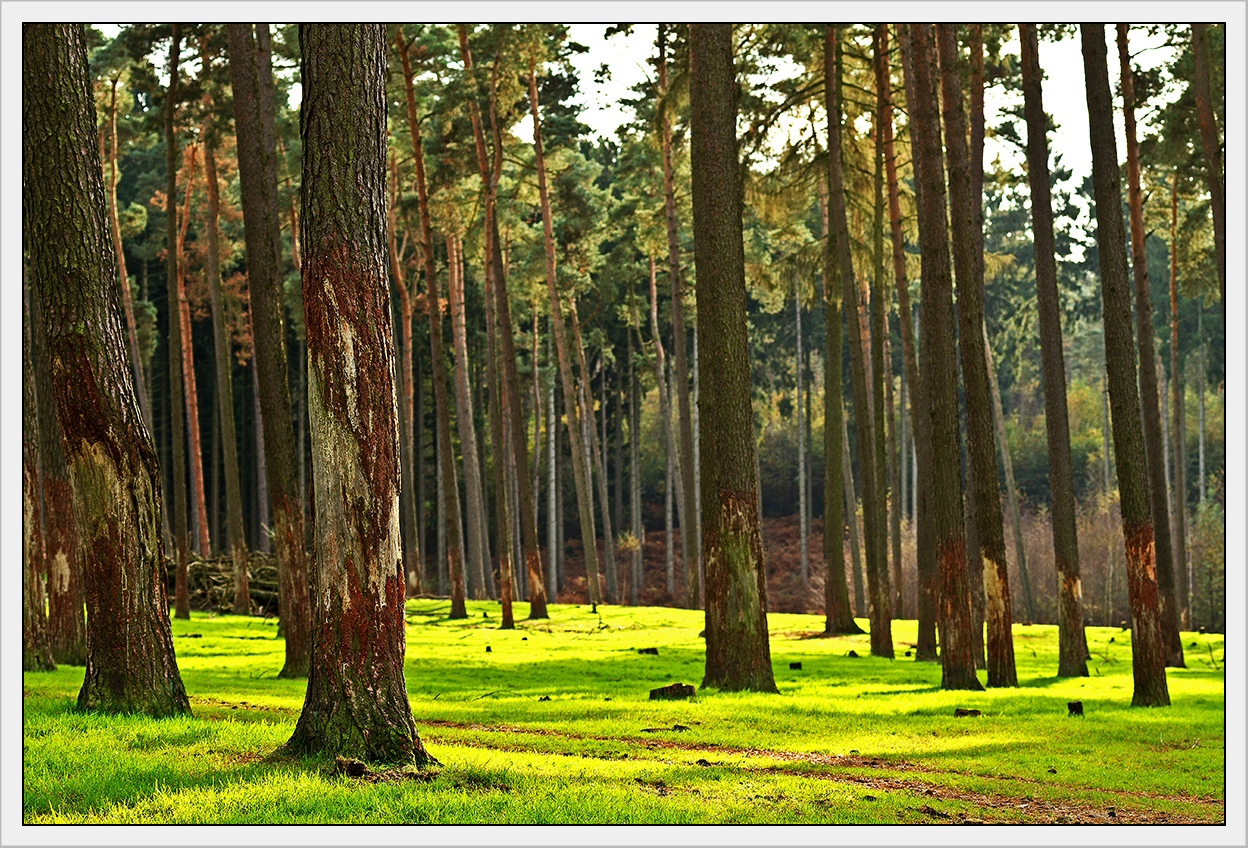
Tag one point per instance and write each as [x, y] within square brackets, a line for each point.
[804, 558]
[36, 646]
[669, 440]
[1207, 120]
[940, 375]
[738, 655]
[356, 703]
[251, 76]
[981, 445]
[109, 453]
[1147, 641]
[1150, 396]
[839, 615]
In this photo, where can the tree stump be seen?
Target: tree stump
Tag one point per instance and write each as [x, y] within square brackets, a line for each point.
[672, 692]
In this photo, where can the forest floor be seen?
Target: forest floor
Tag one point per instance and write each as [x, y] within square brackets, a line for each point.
[552, 723]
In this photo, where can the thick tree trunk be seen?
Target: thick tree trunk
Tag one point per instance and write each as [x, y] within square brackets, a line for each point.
[1212, 146]
[251, 75]
[1147, 640]
[680, 365]
[225, 383]
[981, 445]
[580, 463]
[36, 647]
[60, 567]
[1072, 643]
[356, 703]
[928, 588]
[940, 375]
[738, 654]
[839, 615]
[449, 508]
[1150, 396]
[109, 453]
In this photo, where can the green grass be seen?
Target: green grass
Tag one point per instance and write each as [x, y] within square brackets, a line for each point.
[847, 740]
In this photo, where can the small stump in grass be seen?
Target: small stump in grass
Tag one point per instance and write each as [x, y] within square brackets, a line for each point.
[672, 692]
[1075, 708]
[962, 712]
[652, 651]
[795, 666]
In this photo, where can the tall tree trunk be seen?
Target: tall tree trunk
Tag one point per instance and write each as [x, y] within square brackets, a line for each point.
[689, 531]
[36, 646]
[251, 75]
[851, 518]
[465, 420]
[177, 409]
[940, 374]
[738, 655]
[580, 463]
[672, 471]
[804, 564]
[1183, 588]
[637, 559]
[60, 563]
[500, 448]
[1208, 122]
[981, 446]
[221, 349]
[446, 461]
[839, 615]
[410, 489]
[356, 703]
[114, 220]
[928, 589]
[109, 453]
[598, 464]
[496, 281]
[1072, 643]
[878, 612]
[1147, 639]
[1150, 396]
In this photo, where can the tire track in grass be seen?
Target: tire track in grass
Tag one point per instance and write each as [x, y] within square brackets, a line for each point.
[1028, 808]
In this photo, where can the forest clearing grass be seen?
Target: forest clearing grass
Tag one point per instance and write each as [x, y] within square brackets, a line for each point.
[847, 740]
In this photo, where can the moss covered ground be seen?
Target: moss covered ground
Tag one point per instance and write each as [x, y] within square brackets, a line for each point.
[552, 722]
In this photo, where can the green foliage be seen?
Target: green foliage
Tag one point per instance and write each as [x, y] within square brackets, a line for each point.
[847, 739]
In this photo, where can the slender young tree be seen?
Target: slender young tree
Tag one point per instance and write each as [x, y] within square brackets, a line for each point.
[940, 374]
[1072, 644]
[109, 452]
[878, 606]
[680, 363]
[356, 703]
[1147, 641]
[1208, 122]
[221, 350]
[580, 460]
[840, 617]
[177, 410]
[738, 655]
[1150, 394]
[981, 444]
[448, 487]
[1183, 589]
[251, 77]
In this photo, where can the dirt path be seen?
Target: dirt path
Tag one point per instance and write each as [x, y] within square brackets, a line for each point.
[1010, 806]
